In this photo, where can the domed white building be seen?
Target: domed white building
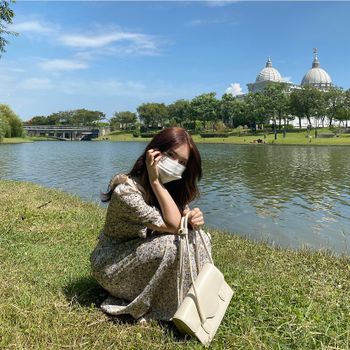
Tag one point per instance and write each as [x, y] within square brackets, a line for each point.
[266, 76]
[316, 76]
[269, 73]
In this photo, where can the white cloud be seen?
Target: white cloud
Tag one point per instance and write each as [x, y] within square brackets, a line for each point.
[134, 41]
[287, 79]
[6, 78]
[102, 36]
[220, 3]
[16, 70]
[121, 88]
[201, 22]
[103, 88]
[235, 89]
[36, 84]
[114, 41]
[63, 65]
[33, 26]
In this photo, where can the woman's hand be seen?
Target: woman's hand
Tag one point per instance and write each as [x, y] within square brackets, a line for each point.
[195, 217]
[152, 158]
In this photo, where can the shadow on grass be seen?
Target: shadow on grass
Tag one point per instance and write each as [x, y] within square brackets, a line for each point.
[85, 291]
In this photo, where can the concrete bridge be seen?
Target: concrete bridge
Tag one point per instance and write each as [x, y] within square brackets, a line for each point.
[65, 133]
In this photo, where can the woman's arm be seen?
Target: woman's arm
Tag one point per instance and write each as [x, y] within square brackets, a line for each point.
[195, 219]
[170, 212]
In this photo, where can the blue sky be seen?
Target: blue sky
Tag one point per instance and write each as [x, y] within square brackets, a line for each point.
[112, 56]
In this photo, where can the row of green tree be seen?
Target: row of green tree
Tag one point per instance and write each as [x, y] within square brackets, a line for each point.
[274, 105]
[10, 123]
[74, 117]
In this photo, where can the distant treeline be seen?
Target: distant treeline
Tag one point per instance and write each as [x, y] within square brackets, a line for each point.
[275, 105]
[74, 117]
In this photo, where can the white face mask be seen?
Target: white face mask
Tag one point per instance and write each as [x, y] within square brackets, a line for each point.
[169, 170]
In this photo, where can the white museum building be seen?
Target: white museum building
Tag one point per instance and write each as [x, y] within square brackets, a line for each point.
[316, 77]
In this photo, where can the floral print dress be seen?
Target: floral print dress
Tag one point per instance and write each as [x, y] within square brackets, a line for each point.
[140, 270]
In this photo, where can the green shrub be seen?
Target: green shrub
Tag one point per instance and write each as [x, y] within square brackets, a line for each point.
[214, 134]
[326, 135]
[148, 134]
[136, 133]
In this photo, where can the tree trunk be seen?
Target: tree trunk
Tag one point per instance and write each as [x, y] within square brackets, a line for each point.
[309, 120]
[299, 122]
[316, 125]
[330, 121]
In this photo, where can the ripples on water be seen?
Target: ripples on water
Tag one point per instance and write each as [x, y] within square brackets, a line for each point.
[290, 195]
[83, 168]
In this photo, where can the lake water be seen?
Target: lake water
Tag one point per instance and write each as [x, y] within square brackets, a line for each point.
[288, 195]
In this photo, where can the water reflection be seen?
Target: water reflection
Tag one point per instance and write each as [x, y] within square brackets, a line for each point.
[290, 195]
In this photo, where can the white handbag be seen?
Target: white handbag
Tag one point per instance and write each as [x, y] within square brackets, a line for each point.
[205, 304]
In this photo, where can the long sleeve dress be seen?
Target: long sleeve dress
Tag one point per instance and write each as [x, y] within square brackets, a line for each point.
[140, 270]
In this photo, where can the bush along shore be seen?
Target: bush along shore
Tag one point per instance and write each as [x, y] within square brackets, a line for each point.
[283, 299]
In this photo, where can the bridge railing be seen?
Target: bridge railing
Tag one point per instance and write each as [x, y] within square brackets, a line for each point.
[59, 128]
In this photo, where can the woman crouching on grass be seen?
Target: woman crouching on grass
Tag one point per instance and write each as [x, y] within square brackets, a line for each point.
[137, 256]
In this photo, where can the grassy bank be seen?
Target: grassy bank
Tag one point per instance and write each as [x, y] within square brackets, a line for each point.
[283, 299]
[11, 140]
[297, 138]
[27, 139]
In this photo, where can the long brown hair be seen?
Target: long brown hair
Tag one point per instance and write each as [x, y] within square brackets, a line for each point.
[184, 190]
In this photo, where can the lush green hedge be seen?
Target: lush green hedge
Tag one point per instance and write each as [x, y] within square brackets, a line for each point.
[214, 134]
[343, 130]
[148, 134]
[325, 136]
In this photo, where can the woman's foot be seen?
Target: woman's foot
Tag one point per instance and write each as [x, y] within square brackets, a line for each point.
[113, 306]
[142, 322]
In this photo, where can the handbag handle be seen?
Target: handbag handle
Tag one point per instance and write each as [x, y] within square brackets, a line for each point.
[183, 232]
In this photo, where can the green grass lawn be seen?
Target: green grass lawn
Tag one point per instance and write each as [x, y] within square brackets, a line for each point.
[16, 140]
[299, 138]
[122, 136]
[283, 299]
[25, 139]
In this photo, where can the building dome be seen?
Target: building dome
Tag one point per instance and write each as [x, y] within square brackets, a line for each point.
[269, 73]
[316, 76]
